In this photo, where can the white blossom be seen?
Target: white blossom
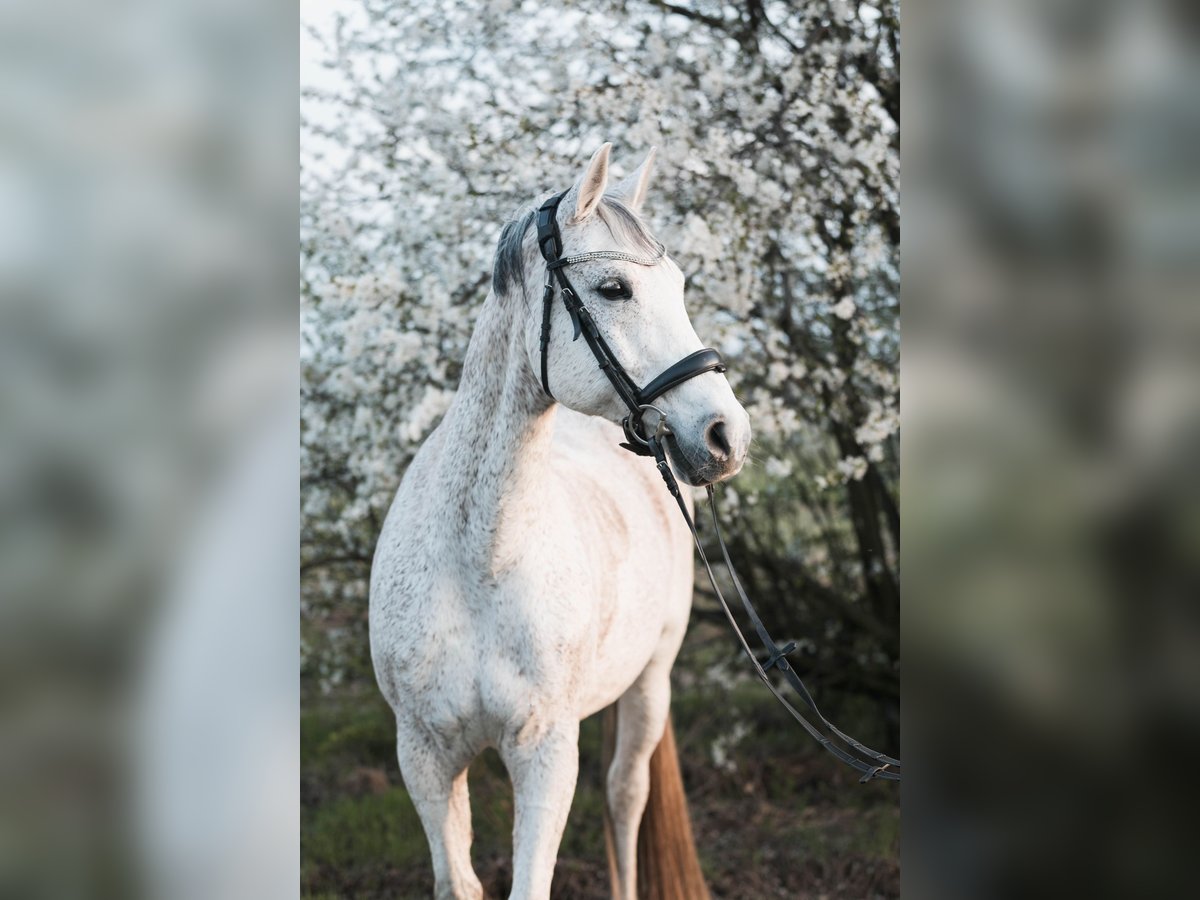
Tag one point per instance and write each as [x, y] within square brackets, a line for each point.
[845, 309]
[431, 127]
[779, 468]
[853, 468]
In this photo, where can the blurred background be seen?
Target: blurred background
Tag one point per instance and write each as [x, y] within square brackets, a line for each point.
[1051, 529]
[148, 565]
[426, 127]
[148, 632]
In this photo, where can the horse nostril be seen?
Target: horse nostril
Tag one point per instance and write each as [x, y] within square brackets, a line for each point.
[717, 442]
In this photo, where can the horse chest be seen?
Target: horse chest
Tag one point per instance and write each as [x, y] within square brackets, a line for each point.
[468, 650]
[533, 611]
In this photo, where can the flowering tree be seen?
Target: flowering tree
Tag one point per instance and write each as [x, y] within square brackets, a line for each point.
[776, 191]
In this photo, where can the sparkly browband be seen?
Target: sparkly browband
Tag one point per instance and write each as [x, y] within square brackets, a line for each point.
[608, 254]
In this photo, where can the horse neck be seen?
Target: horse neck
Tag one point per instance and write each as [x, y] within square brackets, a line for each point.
[499, 432]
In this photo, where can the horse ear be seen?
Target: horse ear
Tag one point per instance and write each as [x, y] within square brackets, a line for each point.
[632, 190]
[590, 188]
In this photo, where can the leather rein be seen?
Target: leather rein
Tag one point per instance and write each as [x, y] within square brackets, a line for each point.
[869, 763]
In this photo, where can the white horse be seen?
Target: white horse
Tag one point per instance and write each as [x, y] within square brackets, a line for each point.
[531, 573]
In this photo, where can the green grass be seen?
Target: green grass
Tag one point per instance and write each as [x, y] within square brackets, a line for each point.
[352, 831]
[354, 727]
[783, 820]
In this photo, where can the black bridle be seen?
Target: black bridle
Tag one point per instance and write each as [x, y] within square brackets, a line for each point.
[870, 763]
[638, 400]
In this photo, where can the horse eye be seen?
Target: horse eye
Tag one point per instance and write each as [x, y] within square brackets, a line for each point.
[613, 289]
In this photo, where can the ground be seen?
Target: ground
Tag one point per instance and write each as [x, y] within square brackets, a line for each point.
[774, 815]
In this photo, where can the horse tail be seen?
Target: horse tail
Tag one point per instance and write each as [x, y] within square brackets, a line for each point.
[667, 863]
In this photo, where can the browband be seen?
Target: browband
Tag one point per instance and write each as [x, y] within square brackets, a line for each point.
[609, 254]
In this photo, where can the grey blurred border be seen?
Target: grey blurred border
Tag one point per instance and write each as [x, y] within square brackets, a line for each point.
[148, 461]
[147, 499]
[1051, 241]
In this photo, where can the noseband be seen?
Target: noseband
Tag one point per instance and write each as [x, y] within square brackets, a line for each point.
[871, 764]
[638, 400]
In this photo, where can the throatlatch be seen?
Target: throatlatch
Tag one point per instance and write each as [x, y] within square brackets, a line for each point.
[872, 764]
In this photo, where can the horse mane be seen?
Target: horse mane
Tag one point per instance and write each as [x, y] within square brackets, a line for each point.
[515, 250]
[509, 263]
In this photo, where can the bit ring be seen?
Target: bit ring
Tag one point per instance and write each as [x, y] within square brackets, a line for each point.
[659, 431]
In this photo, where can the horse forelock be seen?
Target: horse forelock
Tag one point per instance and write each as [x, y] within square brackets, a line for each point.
[627, 227]
[512, 250]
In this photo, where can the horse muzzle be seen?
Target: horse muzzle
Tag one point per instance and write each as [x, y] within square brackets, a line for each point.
[713, 452]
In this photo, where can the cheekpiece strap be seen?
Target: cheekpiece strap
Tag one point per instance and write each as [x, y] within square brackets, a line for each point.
[548, 236]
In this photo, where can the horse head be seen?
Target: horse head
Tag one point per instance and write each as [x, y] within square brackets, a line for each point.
[633, 294]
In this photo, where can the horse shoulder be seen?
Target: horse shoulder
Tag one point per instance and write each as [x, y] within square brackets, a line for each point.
[640, 552]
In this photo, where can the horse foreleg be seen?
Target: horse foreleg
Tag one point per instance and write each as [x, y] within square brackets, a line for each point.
[641, 717]
[439, 792]
[543, 772]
